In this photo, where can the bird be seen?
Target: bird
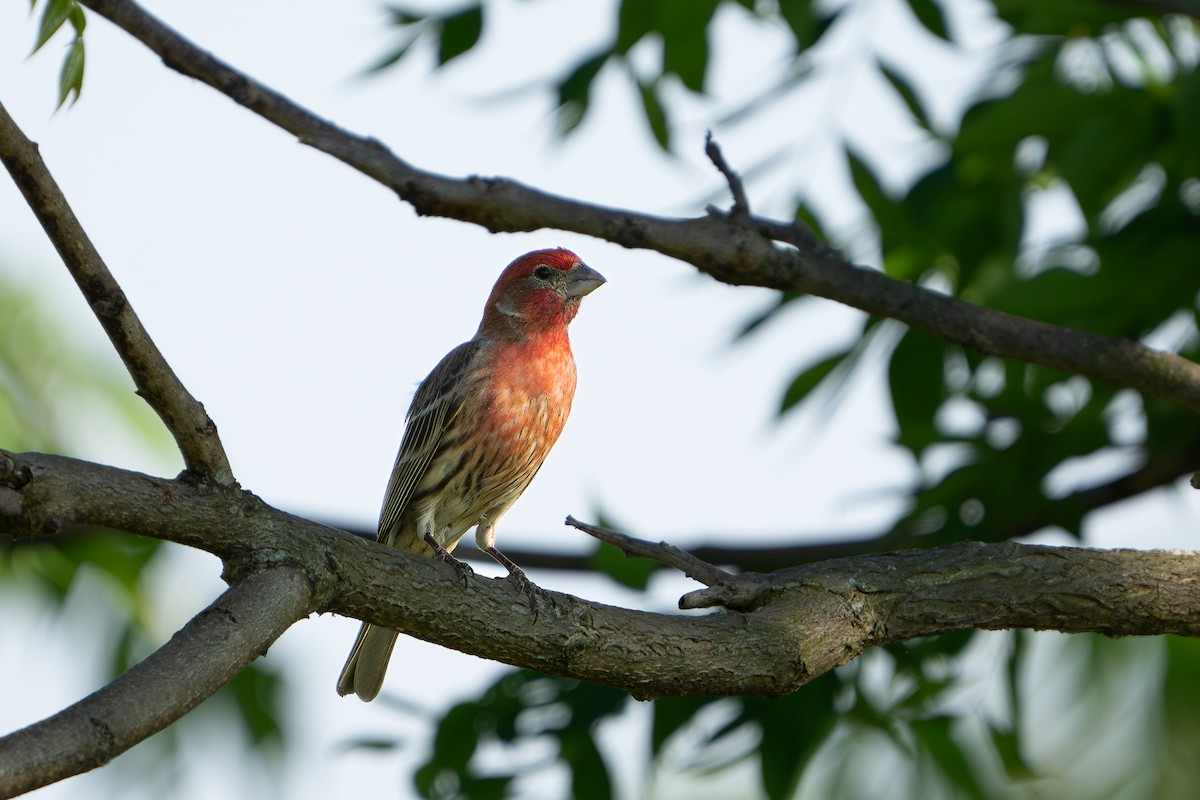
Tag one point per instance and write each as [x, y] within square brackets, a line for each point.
[478, 429]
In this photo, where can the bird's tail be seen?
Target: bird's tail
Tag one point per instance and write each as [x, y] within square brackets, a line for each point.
[368, 661]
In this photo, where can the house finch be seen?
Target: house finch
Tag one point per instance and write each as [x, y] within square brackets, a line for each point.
[478, 430]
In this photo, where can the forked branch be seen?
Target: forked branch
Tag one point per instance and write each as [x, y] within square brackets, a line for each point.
[156, 382]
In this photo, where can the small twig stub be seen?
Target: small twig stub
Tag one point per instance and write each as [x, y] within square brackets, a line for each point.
[741, 203]
[661, 552]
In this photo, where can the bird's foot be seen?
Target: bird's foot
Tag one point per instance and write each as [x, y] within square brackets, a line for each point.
[465, 573]
[517, 577]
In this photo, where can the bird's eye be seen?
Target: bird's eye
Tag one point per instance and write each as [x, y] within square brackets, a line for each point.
[543, 272]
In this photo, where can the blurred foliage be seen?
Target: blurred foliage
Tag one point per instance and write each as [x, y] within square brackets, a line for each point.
[55, 14]
[40, 367]
[903, 721]
[1094, 104]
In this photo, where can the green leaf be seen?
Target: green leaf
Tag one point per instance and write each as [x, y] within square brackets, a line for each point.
[916, 380]
[1183, 665]
[402, 16]
[1180, 706]
[574, 91]
[793, 729]
[577, 85]
[907, 94]
[380, 743]
[257, 692]
[522, 707]
[757, 320]
[656, 114]
[1103, 152]
[1008, 748]
[1065, 17]
[808, 216]
[126, 651]
[882, 207]
[934, 736]
[121, 557]
[453, 745]
[911, 655]
[632, 572]
[807, 21]
[812, 377]
[1186, 111]
[397, 53]
[589, 775]
[54, 15]
[485, 788]
[78, 19]
[671, 714]
[414, 27]
[635, 19]
[929, 13]
[684, 25]
[460, 32]
[70, 80]
[455, 741]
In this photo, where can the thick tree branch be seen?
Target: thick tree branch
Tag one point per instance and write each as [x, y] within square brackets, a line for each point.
[198, 660]
[1067, 578]
[737, 251]
[156, 382]
[792, 625]
[972, 585]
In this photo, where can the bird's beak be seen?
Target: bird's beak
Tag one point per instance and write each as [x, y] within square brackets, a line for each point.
[582, 279]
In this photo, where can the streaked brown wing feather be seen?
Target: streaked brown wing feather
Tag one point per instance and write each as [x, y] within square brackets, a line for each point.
[433, 408]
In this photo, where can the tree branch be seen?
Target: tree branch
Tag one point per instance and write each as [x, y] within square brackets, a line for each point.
[965, 572]
[156, 382]
[737, 251]
[915, 593]
[199, 659]
[782, 629]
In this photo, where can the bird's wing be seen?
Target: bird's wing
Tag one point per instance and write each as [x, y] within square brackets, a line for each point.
[435, 404]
